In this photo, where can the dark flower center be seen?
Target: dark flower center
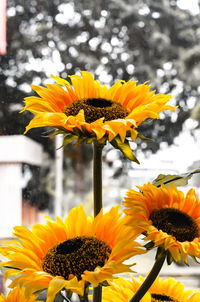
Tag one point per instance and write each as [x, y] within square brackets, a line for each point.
[76, 255]
[97, 108]
[160, 298]
[176, 223]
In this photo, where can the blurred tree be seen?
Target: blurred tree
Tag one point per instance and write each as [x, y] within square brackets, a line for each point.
[151, 40]
[144, 39]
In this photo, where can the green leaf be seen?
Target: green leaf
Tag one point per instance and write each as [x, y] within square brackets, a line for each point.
[124, 148]
[177, 180]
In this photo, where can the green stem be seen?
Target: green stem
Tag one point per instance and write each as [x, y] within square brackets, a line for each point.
[150, 278]
[97, 177]
[97, 189]
[97, 294]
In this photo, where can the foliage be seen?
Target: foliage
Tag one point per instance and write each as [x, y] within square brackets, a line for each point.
[176, 180]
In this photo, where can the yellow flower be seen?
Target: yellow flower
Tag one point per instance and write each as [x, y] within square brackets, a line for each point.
[93, 109]
[162, 290]
[122, 290]
[195, 297]
[81, 250]
[167, 218]
[170, 290]
[17, 295]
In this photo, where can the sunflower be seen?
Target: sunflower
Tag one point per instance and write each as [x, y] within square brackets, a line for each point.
[162, 290]
[167, 218]
[72, 254]
[171, 290]
[195, 297]
[87, 109]
[17, 295]
[122, 290]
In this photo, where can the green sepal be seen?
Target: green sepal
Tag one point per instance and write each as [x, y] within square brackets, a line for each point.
[103, 140]
[195, 259]
[141, 136]
[78, 132]
[12, 267]
[68, 139]
[144, 233]
[149, 245]
[186, 261]
[84, 131]
[80, 140]
[62, 129]
[170, 259]
[177, 180]
[147, 121]
[80, 136]
[90, 140]
[144, 138]
[125, 148]
[128, 133]
[160, 252]
[104, 283]
[55, 133]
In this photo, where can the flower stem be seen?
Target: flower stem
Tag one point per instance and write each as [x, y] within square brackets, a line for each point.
[85, 298]
[97, 189]
[97, 177]
[97, 294]
[150, 278]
